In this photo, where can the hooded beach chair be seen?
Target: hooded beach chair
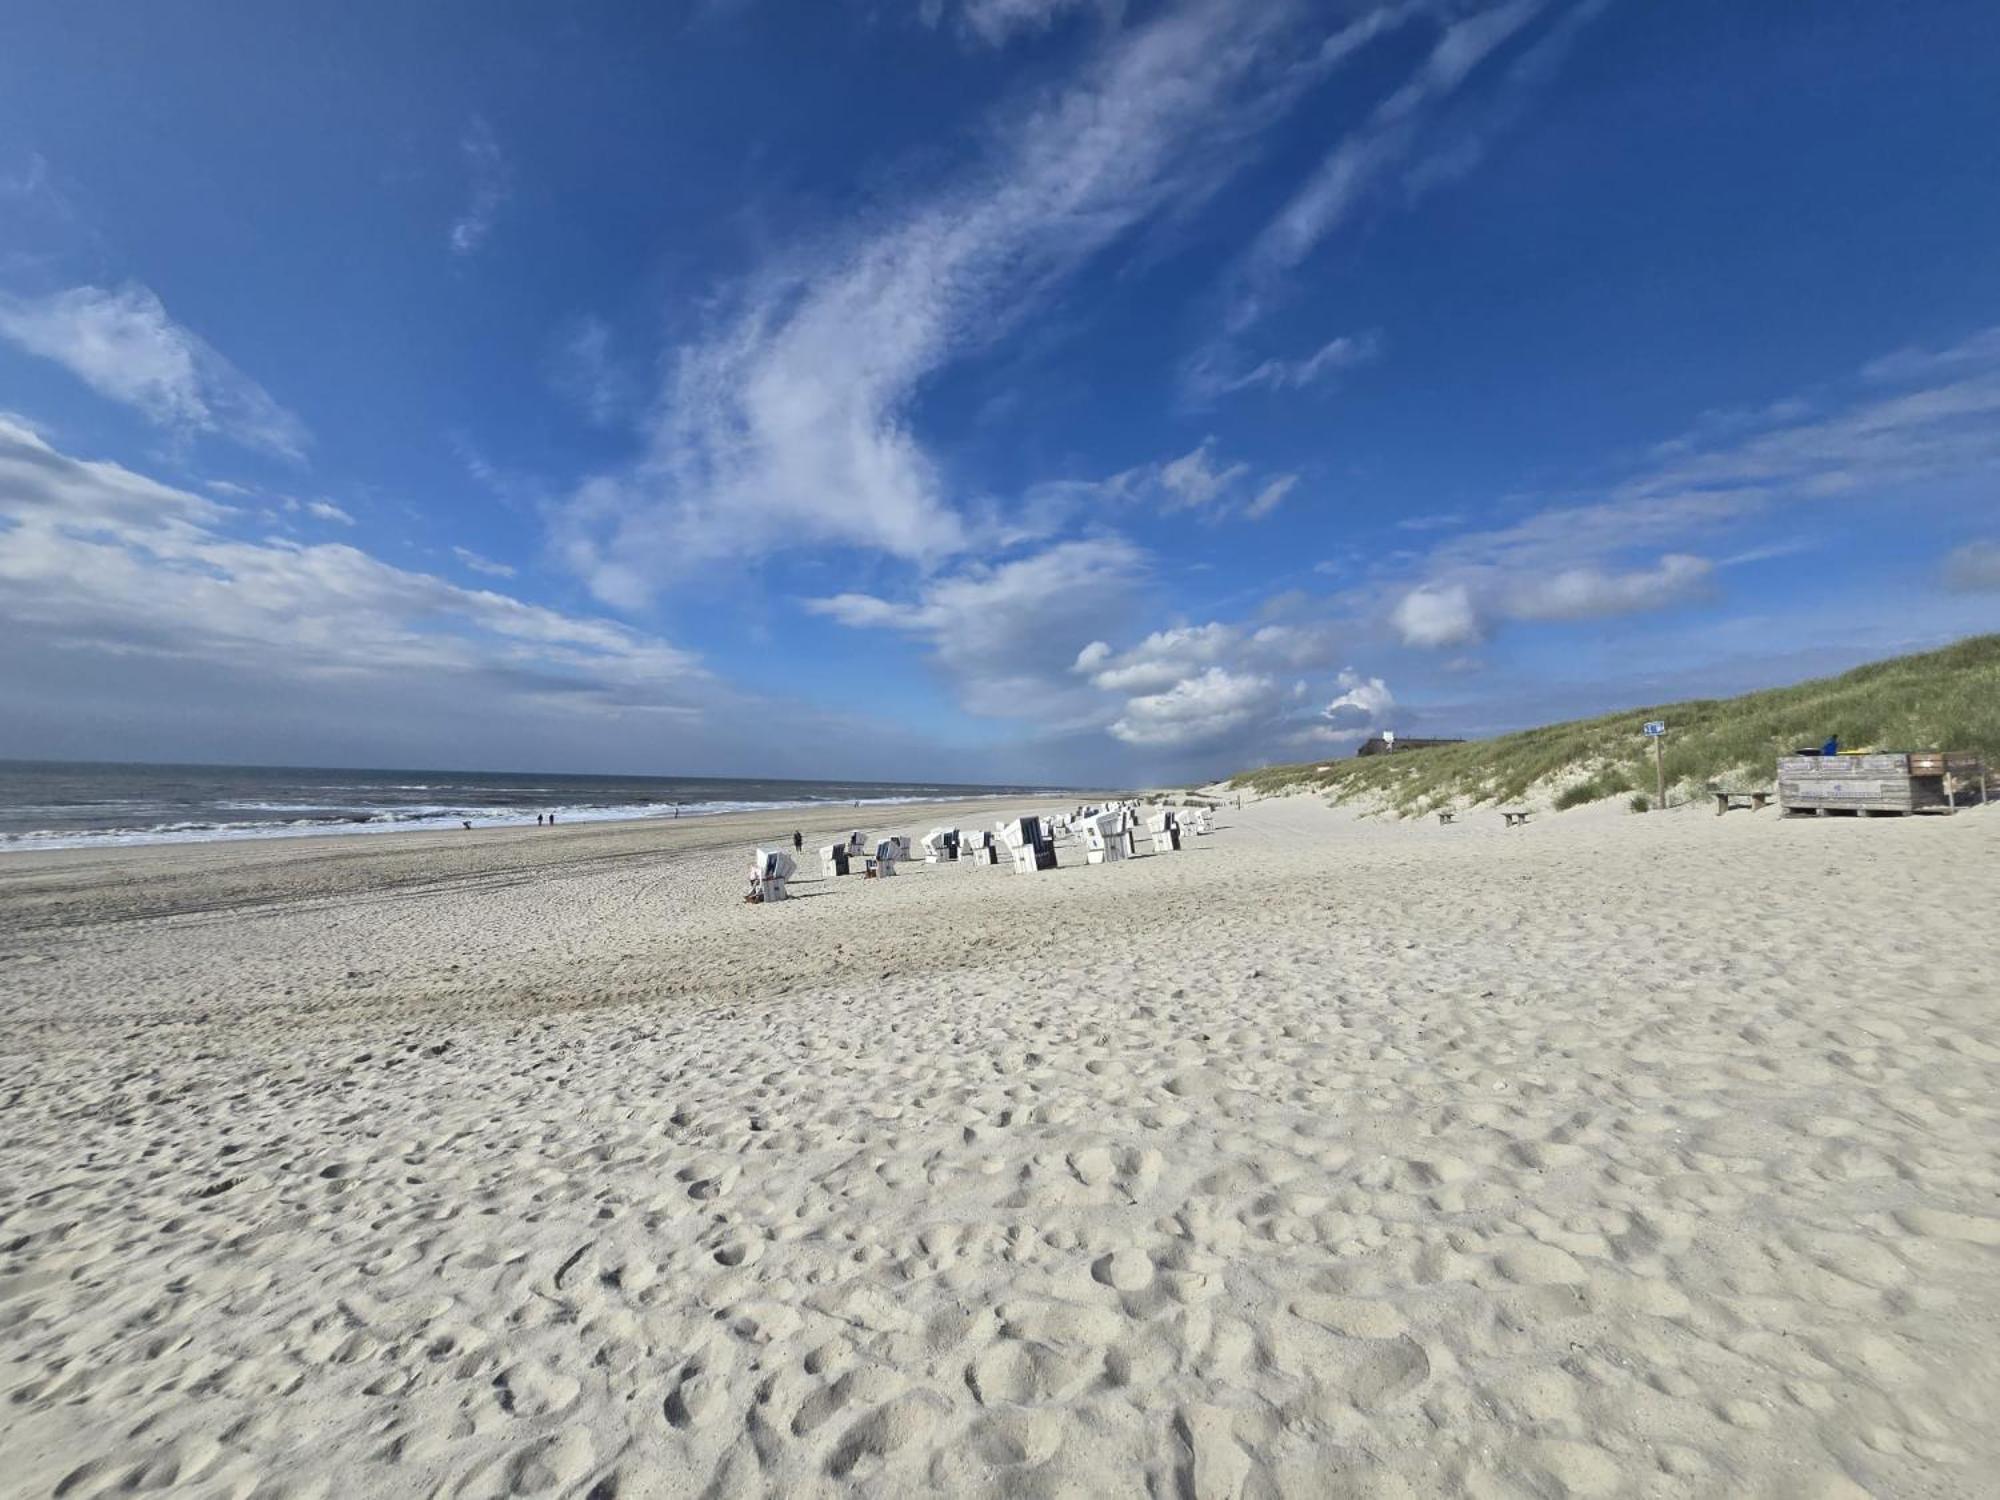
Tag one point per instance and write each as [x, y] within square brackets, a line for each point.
[1107, 838]
[941, 846]
[774, 867]
[1165, 831]
[834, 859]
[976, 849]
[1029, 844]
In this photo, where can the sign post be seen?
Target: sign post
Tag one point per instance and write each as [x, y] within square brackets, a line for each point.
[1656, 731]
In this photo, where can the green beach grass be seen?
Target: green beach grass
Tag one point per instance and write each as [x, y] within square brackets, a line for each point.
[1939, 700]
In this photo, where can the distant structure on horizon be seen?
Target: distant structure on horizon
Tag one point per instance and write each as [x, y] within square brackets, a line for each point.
[1395, 744]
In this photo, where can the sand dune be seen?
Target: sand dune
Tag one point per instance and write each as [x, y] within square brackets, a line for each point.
[1611, 1156]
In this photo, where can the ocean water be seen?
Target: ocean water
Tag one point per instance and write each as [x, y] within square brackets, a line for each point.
[56, 805]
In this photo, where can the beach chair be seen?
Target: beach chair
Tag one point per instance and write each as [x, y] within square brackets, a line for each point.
[767, 881]
[1196, 820]
[976, 849]
[941, 846]
[1165, 831]
[900, 842]
[882, 863]
[834, 859]
[1107, 838]
[1029, 844]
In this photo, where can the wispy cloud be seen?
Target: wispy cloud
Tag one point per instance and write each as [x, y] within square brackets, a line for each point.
[326, 510]
[1198, 482]
[479, 564]
[997, 22]
[584, 370]
[491, 185]
[98, 559]
[123, 345]
[1630, 550]
[790, 423]
[1207, 375]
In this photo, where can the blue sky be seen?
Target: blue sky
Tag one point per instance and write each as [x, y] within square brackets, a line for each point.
[977, 389]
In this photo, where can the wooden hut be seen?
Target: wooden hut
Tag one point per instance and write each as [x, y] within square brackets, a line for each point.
[1895, 782]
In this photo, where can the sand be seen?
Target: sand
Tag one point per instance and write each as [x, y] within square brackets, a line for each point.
[1608, 1156]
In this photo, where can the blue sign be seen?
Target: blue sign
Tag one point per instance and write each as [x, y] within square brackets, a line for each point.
[1655, 727]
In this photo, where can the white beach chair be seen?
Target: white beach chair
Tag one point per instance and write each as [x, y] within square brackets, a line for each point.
[1196, 820]
[976, 849]
[774, 867]
[1107, 839]
[901, 844]
[1165, 831]
[941, 846]
[1031, 847]
[834, 859]
[857, 842]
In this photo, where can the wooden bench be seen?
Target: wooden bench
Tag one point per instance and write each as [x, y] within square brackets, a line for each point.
[1725, 798]
[1516, 817]
[1445, 817]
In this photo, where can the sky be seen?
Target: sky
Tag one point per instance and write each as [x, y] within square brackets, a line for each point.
[1017, 390]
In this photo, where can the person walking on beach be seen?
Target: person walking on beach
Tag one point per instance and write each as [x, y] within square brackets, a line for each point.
[798, 842]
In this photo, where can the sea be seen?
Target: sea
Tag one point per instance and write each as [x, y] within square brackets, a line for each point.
[63, 805]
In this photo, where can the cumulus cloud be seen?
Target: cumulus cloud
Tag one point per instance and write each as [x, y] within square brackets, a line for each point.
[1364, 702]
[789, 422]
[1586, 593]
[491, 185]
[1974, 568]
[1197, 710]
[122, 344]
[1196, 686]
[1437, 615]
[1005, 634]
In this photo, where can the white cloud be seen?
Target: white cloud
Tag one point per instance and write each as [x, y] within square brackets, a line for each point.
[326, 510]
[1006, 634]
[1330, 195]
[1198, 710]
[996, 22]
[1364, 702]
[98, 560]
[584, 371]
[1270, 497]
[1208, 376]
[790, 423]
[479, 564]
[123, 345]
[1437, 615]
[1938, 442]
[1195, 481]
[492, 183]
[1974, 568]
[1584, 593]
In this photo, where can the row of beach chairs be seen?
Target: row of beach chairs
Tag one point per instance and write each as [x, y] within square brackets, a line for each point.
[1027, 843]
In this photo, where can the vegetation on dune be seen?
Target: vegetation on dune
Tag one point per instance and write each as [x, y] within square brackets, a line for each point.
[1940, 700]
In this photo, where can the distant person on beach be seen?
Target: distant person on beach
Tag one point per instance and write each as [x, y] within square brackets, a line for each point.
[538, 820]
[552, 820]
[468, 827]
[798, 842]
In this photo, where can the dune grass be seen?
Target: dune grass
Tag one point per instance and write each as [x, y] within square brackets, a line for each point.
[1939, 700]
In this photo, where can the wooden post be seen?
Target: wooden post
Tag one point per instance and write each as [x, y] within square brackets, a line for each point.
[1659, 773]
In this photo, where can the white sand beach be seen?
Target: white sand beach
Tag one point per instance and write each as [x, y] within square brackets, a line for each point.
[1608, 1156]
